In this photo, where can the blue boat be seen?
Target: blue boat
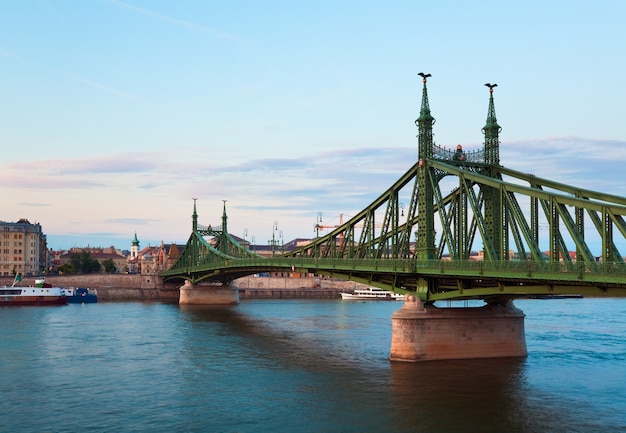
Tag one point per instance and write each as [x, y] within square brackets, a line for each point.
[80, 295]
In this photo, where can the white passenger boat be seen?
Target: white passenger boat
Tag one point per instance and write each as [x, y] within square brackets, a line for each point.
[372, 293]
[39, 295]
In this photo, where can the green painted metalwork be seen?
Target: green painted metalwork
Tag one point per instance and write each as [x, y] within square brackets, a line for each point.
[460, 203]
[495, 220]
[444, 279]
[200, 252]
[425, 241]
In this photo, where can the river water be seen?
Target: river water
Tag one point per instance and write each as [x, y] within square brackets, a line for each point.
[300, 366]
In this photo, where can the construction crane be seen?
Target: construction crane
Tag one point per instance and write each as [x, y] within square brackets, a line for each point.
[318, 225]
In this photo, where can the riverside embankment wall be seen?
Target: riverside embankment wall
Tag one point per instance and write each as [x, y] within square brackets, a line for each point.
[291, 288]
[113, 287]
[121, 287]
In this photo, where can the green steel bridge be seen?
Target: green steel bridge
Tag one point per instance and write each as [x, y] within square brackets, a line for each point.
[459, 202]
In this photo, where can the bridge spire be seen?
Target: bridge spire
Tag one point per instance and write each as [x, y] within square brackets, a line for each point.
[425, 123]
[224, 218]
[194, 217]
[493, 215]
[491, 131]
[425, 248]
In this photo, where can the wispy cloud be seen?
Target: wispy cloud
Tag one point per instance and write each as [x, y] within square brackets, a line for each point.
[10, 55]
[77, 174]
[30, 204]
[131, 221]
[73, 77]
[348, 172]
[150, 190]
[42, 181]
[178, 22]
[120, 163]
[588, 163]
[99, 86]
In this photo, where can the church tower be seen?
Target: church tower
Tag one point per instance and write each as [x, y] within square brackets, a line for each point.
[134, 249]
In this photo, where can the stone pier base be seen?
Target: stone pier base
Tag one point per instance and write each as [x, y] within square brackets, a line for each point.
[429, 333]
[195, 294]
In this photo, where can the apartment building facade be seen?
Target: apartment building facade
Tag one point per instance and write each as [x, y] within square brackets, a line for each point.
[23, 248]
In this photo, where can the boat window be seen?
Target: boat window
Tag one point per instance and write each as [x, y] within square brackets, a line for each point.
[10, 291]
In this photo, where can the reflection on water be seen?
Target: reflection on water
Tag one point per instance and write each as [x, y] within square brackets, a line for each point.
[343, 348]
[458, 395]
[306, 366]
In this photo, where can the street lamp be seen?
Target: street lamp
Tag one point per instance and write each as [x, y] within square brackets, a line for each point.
[274, 230]
[318, 224]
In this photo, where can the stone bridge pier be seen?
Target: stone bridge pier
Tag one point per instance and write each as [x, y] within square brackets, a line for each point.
[205, 294]
[422, 333]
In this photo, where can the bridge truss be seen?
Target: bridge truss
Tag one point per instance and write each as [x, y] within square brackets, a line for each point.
[472, 229]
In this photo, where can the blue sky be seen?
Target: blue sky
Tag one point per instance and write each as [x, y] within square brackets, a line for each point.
[115, 114]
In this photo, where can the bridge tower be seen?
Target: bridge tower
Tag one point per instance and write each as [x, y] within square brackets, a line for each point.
[425, 332]
[495, 219]
[425, 248]
[207, 294]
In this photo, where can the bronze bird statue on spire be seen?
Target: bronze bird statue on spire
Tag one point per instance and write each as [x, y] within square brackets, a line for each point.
[424, 76]
[491, 86]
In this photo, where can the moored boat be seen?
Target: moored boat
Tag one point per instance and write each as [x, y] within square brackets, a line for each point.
[80, 295]
[22, 296]
[372, 293]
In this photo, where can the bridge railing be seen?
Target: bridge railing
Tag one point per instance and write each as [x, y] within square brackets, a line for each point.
[443, 153]
[464, 268]
[527, 267]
